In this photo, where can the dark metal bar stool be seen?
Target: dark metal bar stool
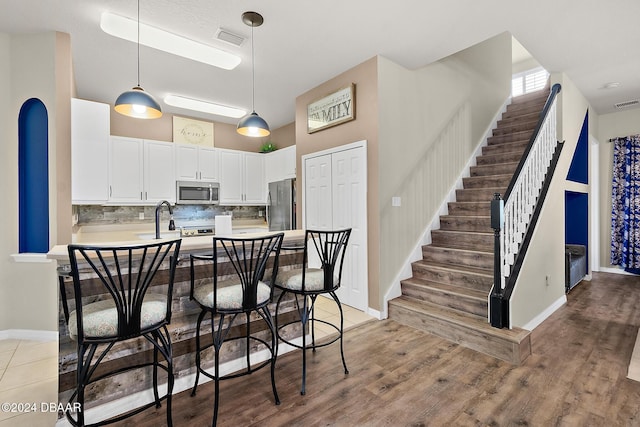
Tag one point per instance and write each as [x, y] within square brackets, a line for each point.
[129, 306]
[327, 249]
[236, 287]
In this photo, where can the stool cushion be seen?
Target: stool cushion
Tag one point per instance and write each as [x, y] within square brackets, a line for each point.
[100, 319]
[229, 295]
[292, 279]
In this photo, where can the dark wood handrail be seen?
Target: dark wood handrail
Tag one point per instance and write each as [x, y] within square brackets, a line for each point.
[555, 89]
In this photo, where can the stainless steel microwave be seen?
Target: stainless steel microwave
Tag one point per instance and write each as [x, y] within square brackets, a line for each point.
[197, 193]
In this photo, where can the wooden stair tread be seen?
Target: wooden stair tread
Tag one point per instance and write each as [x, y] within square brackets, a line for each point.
[456, 268]
[450, 289]
[482, 233]
[462, 251]
[476, 323]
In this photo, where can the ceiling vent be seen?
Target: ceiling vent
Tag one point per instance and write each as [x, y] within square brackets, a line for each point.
[229, 37]
[626, 104]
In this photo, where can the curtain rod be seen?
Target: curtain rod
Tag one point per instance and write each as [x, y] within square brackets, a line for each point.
[622, 137]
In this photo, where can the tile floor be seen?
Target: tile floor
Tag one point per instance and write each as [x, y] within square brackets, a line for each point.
[28, 383]
[29, 371]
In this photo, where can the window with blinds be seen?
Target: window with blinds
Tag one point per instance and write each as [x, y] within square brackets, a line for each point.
[528, 81]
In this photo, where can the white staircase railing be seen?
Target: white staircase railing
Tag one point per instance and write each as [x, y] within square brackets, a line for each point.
[513, 217]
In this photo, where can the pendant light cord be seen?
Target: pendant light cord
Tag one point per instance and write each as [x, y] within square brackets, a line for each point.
[253, 72]
[138, 43]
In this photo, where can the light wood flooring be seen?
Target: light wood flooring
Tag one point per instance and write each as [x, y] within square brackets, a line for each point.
[400, 376]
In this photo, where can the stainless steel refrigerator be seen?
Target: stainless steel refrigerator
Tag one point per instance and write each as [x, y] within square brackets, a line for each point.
[281, 205]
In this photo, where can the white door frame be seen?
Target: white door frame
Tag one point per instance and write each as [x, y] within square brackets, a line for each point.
[350, 146]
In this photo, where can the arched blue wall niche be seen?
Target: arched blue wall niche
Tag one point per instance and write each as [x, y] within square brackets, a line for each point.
[33, 177]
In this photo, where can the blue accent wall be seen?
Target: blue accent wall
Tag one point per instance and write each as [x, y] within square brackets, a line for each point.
[579, 169]
[33, 177]
[576, 218]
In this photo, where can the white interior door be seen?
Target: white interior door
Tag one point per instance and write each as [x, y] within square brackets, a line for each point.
[318, 206]
[335, 197]
[349, 180]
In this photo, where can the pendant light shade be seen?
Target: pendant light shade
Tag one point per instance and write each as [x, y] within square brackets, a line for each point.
[136, 102]
[253, 125]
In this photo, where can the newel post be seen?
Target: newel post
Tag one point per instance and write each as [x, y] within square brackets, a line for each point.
[496, 311]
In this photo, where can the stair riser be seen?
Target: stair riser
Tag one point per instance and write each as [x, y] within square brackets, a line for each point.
[509, 147]
[472, 208]
[481, 224]
[515, 111]
[487, 181]
[469, 259]
[488, 170]
[478, 242]
[476, 340]
[435, 296]
[478, 194]
[451, 277]
[496, 159]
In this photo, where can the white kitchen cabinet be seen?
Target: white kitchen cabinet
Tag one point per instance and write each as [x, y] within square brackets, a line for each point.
[255, 187]
[280, 164]
[159, 172]
[242, 180]
[90, 127]
[194, 163]
[126, 159]
[141, 171]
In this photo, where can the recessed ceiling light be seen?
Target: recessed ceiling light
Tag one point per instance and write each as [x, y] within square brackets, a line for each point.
[611, 85]
[204, 106]
[156, 38]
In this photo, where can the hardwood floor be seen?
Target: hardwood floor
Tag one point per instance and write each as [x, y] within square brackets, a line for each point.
[399, 376]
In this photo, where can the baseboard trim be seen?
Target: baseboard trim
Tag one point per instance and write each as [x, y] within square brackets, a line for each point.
[29, 335]
[614, 270]
[533, 323]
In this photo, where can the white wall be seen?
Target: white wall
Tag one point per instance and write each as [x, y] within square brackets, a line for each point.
[28, 291]
[431, 121]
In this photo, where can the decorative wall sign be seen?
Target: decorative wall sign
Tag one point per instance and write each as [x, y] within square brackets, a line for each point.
[190, 131]
[333, 109]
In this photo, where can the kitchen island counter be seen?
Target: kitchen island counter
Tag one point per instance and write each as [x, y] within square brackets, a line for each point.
[127, 391]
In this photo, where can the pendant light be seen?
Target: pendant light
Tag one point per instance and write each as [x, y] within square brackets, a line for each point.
[252, 124]
[136, 102]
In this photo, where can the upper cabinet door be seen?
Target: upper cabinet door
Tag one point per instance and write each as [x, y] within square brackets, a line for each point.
[255, 187]
[208, 164]
[231, 177]
[196, 163]
[90, 128]
[186, 162]
[125, 170]
[280, 164]
[159, 172]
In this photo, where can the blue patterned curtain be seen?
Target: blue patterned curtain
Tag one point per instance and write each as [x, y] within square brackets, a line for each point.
[625, 212]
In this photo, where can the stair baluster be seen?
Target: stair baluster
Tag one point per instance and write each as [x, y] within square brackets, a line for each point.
[522, 202]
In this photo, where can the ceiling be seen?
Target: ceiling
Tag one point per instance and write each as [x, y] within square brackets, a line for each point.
[302, 44]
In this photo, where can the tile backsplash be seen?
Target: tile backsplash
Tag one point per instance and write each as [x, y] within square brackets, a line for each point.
[103, 215]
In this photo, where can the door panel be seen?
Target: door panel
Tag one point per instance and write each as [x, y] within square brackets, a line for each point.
[336, 198]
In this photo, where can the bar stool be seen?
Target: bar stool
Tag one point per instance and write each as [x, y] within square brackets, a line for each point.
[322, 262]
[130, 305]
[236, 287]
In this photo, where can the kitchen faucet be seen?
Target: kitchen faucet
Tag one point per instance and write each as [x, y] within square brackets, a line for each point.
[172, 225]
